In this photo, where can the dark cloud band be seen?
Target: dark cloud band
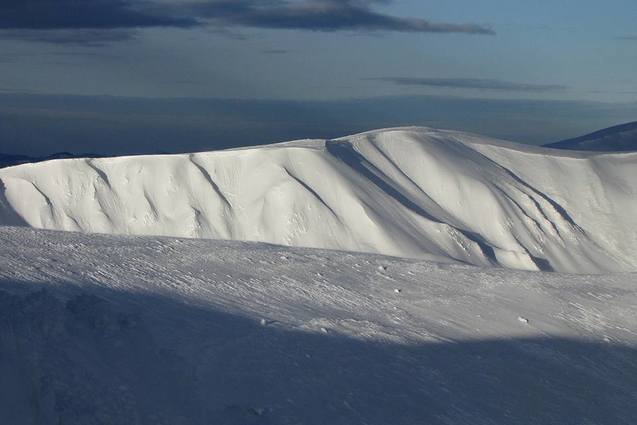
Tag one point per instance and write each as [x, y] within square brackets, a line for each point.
[470, 83]
[323, 15]
[86, 14]
[47, 16]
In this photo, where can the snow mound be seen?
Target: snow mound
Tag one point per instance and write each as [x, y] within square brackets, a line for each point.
[620, 138]
[409, 192]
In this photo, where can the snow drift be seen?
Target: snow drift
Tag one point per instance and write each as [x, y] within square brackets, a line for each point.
[407, 192]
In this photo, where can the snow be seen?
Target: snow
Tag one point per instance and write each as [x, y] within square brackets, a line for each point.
[344, 281]
[126, 330]
[408, 192]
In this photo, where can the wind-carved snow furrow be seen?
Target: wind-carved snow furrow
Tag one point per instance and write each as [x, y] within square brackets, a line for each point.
[315, 194]
[102, 207]
[103, 177]
[576, 234]
[557, 208]
[398, 169]
[541, 263]
[198, 222]
[488, 248]
[348, 154]
[553, 214]
[537, 226]
[538, 207]
[151, 204]
[47, 200]
[527, 189]
[74, 221]
[210, 181]
[101, 174]
[44, 196]
[534, 212]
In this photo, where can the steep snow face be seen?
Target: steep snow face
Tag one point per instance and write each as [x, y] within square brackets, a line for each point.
[406, 192]
[614, 139]
[146, 330]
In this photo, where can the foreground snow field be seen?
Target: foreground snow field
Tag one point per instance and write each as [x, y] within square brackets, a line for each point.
[408, 192]
[149, 330]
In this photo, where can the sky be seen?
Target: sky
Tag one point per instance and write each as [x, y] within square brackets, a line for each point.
[322, 51]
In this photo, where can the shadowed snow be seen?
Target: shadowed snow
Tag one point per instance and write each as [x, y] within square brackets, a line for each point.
[146, 330]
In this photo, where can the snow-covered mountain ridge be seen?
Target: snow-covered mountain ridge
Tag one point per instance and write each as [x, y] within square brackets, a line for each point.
[407, 192]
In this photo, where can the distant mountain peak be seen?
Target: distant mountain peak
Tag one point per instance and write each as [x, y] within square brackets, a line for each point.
[619, 138]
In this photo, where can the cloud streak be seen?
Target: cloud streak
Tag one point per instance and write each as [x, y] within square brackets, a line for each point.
[79, 37]
[470, 83]
[275, 51]
[90, 21]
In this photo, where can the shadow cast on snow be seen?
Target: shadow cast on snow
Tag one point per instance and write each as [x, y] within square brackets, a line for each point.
[7, 215]
[120, 358]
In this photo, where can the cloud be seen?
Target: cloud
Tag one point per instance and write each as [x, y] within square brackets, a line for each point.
[81, 37]
[323, 15]
[629, 37]
[627, 92]
[11, 90]
[471, 83]
[87, 14]
[91, 21]
[274, 51]
[84, 22]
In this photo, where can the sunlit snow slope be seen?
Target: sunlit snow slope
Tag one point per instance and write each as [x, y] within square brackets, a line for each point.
[405, 192]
